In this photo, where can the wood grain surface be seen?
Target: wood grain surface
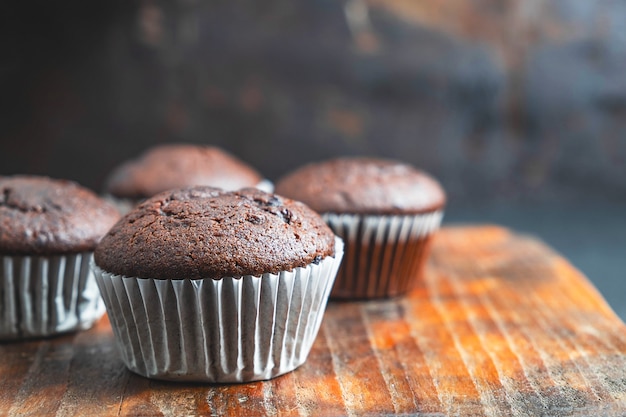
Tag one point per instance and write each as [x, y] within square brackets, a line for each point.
[501, 326]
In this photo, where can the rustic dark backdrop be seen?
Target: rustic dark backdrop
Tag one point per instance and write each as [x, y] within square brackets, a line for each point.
[510, 103]
[499, 99]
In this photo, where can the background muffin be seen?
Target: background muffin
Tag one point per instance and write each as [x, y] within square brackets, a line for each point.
[48, 230]
[386, 212]
[207, 285]
[177, 166]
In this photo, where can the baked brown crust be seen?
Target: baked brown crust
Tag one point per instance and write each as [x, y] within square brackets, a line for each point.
[363, 186]
[177, 166]
[205, 232]
[44, 216]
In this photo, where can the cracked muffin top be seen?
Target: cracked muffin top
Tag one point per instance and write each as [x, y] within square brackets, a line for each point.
[204, 232]
[363, 186]
[176, 166]
[44, 216]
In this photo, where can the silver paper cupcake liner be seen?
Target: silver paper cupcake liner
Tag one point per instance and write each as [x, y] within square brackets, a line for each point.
[265, 185]
[47, 295]
[225, 330]
[383, 254]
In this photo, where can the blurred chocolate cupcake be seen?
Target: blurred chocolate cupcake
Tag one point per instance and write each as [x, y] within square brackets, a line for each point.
[207, 285]
[385, 211]
[171, 166]
[48, 231]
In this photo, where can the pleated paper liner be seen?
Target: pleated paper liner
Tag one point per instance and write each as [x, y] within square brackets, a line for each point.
[47, 295]
[226, 330]
[384, 255]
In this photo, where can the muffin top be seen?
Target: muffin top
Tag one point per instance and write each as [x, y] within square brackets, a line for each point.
[363, 186]
[205, 232]
[176, 166]
[44, 216]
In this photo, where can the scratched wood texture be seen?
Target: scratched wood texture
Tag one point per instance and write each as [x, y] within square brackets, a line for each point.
[501, 326]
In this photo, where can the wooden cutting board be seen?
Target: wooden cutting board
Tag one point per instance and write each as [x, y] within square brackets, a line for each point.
[501, 326]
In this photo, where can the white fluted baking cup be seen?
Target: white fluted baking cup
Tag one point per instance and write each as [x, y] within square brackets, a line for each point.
[47, 295]
[123, 205]
[383, 253]
[226, 330]
[265, 185]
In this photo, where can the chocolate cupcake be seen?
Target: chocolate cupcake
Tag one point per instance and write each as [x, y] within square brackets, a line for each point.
[385, 211]
[48, 231]
[171, 166]
[202, 284]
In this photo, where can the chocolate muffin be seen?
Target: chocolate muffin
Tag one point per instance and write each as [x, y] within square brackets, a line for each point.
[208, 285]
[386, 211]
[48, 231]
[171, 166]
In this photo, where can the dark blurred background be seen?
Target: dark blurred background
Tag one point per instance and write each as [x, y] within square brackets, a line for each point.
[517, 106]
